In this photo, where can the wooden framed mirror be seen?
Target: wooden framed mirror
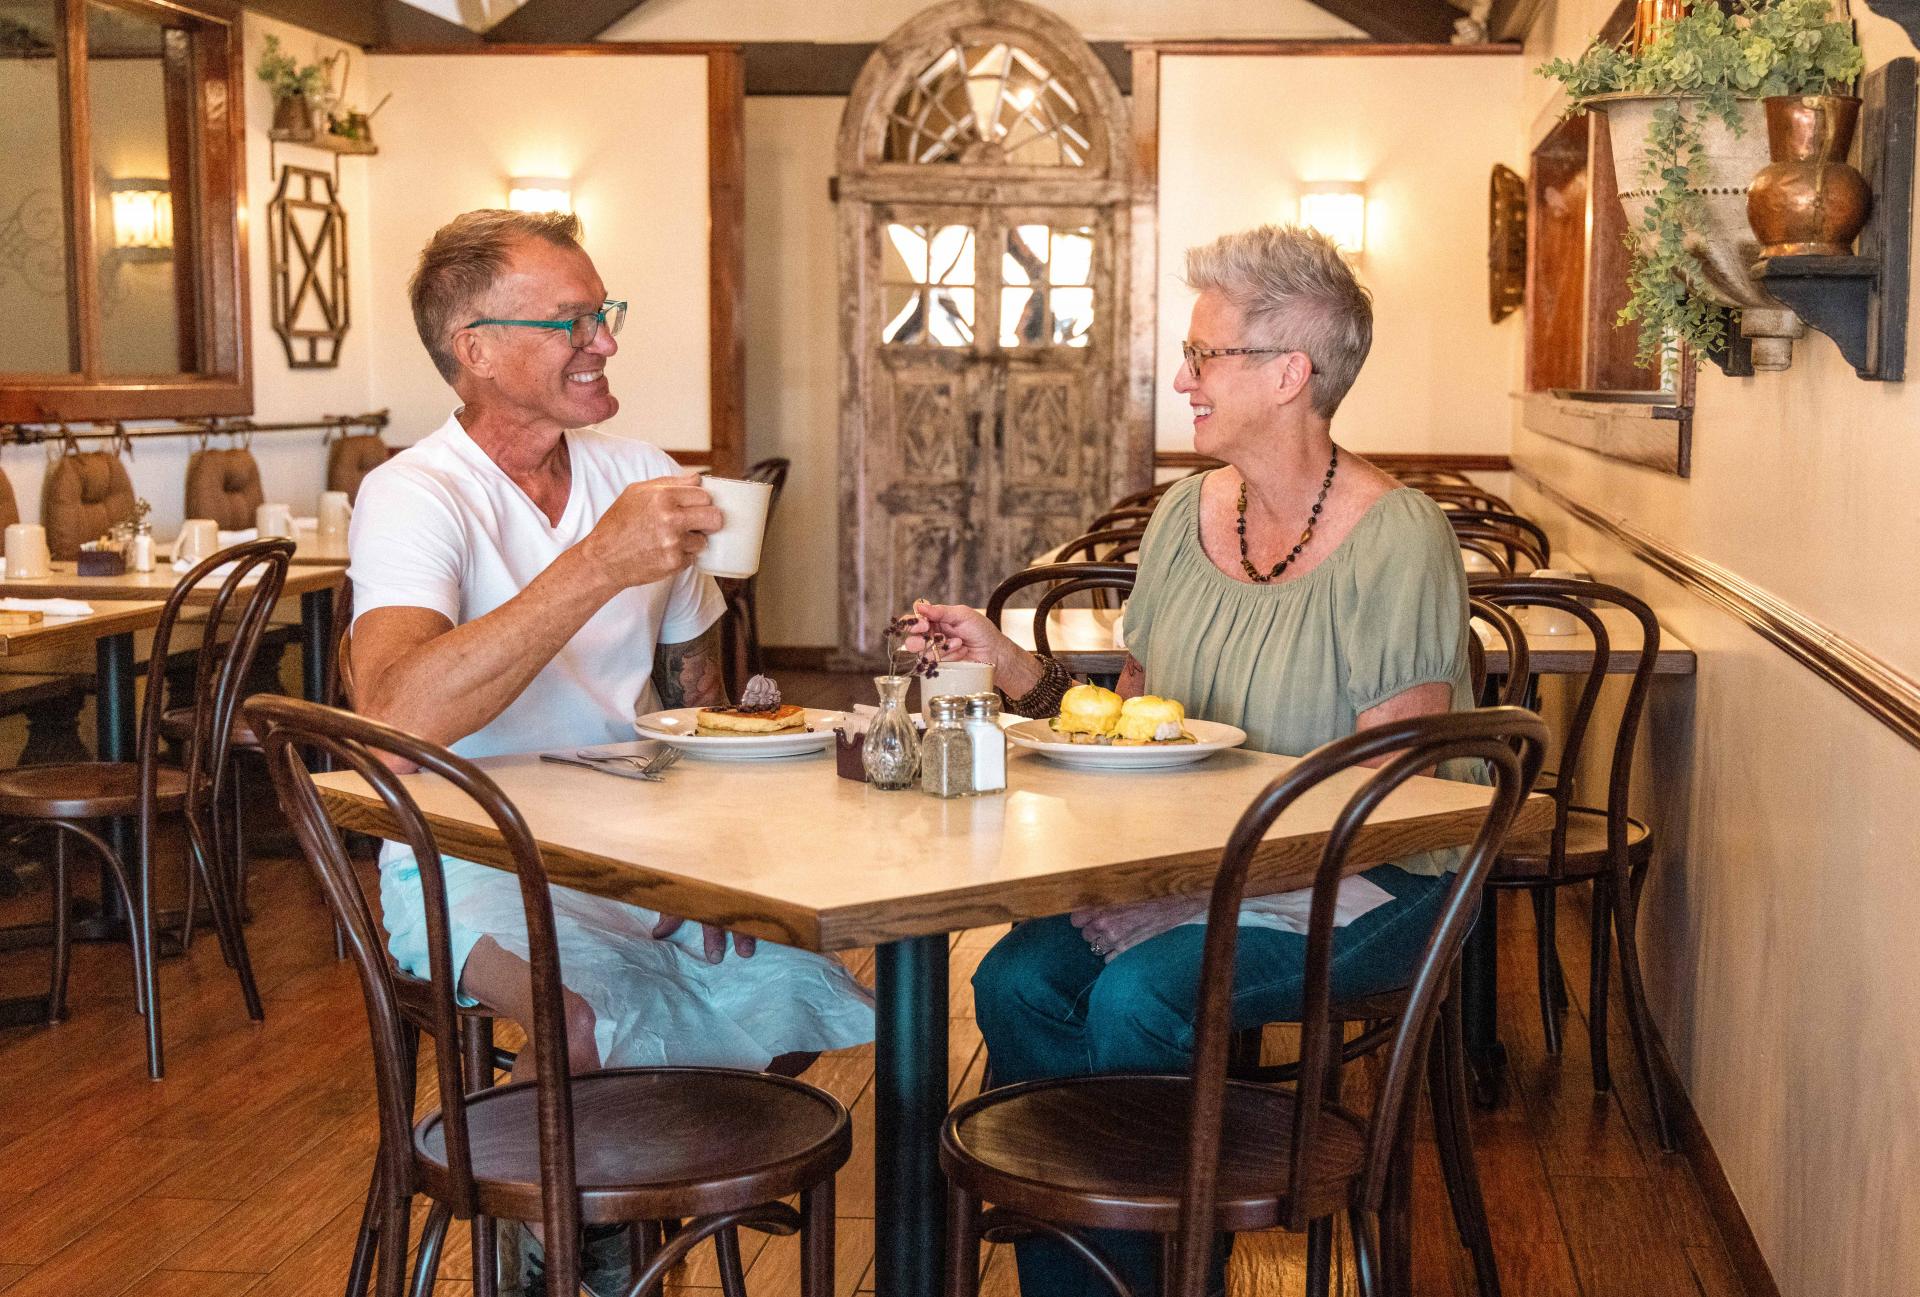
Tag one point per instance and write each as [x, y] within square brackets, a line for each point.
[121, 185]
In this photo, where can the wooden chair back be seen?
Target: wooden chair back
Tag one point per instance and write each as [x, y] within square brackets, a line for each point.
[1062, 580]
[288, 727]
[1492, 552]
[1513, 543]
[1517, 689]
[1505, 520]
[1108, 545]
[1450, 496]
[774, 473]
[1512, 742]
[1133, 517]
[1578, 599]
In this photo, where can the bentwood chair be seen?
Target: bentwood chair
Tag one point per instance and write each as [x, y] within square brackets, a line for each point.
[1132, 517]
[1465, 497]
[66, 797]
[1601, 844]
[1062, 580]
[1516, 690]
[624, 1145]
[1107, 545]
[1190, 1157]
[1499, 520]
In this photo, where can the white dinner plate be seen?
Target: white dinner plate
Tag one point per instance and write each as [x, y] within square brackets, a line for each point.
[1214, 737]
[676, 726]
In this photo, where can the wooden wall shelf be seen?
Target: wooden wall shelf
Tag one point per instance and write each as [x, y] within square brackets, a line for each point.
[328, 141]
[1861, 301]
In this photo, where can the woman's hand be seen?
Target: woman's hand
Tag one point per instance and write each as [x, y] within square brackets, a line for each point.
[1114, 929]
[972, 638]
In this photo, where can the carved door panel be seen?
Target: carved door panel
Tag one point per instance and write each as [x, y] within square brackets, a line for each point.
[924, 410]
[1052, 421]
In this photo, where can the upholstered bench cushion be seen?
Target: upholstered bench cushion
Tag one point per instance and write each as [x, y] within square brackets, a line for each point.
[224, 485]
[352, 458]
[85, 495]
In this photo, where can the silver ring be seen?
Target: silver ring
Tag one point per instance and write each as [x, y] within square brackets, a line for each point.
[1098, 949]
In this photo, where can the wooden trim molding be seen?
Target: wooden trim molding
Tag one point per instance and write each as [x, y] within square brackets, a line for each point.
[1408, 460]
[1322, 49]
[1869, 682]
[1143, 275]
[588, 49]
[726, 261]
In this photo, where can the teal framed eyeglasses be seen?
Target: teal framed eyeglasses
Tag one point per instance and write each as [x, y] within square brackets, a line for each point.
[581, 329]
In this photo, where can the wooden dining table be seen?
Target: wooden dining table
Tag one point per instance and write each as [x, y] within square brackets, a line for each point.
[787, 850]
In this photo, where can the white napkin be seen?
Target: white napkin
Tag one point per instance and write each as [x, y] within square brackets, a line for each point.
[51, 607]
[236, 537]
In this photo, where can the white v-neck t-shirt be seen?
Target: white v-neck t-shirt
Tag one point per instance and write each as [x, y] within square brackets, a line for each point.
[441, 526]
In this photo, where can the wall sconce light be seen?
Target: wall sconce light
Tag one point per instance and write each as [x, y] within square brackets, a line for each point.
[540, 194]
[1338, 209]
[142, 217]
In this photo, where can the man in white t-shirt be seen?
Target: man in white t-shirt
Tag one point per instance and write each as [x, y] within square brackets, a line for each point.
[521, 582]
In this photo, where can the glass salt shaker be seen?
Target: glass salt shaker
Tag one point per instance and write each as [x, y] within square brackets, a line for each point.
[946, 753]
[989, 743]
[142, 550]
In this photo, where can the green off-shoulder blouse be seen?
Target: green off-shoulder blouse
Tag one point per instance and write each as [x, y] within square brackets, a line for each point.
[1295, 664]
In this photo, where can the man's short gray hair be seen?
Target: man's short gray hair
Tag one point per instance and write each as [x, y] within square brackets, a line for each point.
[461, 263]
[1294, 290]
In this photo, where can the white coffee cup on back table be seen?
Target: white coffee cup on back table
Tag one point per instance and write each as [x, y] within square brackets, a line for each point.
[198, 539]
[273, 519]
[27, 557]
[335, 513]
[955, 678]
[734, 550]
[1552, 621]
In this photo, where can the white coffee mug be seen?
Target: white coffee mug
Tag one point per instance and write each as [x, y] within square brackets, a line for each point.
[734, 550]
[335, 513]
[954, 678]
[27, 551]
[274, 520]
[1542, 620]
[198, 539]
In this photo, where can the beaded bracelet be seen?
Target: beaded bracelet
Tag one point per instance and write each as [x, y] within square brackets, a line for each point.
[1044, 698]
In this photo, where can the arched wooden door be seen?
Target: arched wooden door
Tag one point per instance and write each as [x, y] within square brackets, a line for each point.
[983, 194]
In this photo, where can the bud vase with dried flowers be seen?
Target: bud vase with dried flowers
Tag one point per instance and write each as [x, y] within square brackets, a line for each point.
[891, 755]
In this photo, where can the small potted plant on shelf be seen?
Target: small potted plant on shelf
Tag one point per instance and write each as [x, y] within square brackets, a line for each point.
[293, 84]
[1685, 117]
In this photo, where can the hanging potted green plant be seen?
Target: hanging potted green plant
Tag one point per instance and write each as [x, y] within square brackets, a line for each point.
[1685, 118]
[293, 84]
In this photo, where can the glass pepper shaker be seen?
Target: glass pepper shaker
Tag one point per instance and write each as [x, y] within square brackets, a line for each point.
[946, 753]
[989, 743]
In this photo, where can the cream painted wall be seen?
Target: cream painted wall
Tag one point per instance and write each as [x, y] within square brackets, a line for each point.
[631, 132]
[1239, 134]
[872, 20]
[793, 350]
[1779, 919]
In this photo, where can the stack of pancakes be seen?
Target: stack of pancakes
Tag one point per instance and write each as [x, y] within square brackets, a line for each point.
[740, 722]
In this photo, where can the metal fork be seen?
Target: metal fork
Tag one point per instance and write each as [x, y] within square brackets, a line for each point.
[653, 765]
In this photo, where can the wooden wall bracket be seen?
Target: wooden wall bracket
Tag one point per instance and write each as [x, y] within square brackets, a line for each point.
[1861, 301]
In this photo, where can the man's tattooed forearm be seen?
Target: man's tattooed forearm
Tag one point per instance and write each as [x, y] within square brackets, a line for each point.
[688, 674]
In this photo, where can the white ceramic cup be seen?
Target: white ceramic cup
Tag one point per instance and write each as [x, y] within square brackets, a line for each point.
[27, 551]
[335, 513]
[955, 678]
[273, 520]
[198, 538]
[1552, 621]
[734, 550]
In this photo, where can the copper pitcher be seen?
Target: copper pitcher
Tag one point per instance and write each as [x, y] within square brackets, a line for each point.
[1808, 201]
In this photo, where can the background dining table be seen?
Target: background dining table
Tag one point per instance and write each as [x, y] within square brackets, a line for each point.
[787, 850]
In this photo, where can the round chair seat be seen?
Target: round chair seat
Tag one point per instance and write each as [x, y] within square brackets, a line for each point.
[86, 790]
[177, 725]
[649, 1143]
[1524, 860]
[1111, 1152]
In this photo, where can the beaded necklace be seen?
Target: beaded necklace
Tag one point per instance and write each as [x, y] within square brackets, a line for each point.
[1240, 525]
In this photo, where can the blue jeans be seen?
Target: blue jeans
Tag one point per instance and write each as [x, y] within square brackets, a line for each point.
[1048, 1006]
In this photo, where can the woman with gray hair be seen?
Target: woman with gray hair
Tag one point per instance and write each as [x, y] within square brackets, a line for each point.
[1299, 593]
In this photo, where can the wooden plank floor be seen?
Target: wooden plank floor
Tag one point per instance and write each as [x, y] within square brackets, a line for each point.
[243, 1171]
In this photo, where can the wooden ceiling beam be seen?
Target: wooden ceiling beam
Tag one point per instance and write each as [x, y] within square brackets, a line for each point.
[1407, 22]
[370, 24]
[559, 22]
[1511, 20]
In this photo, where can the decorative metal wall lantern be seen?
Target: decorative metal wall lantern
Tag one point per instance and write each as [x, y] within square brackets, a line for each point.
[307, 277]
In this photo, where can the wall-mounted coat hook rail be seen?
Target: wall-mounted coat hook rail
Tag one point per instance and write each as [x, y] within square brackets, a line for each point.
[31, 434]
